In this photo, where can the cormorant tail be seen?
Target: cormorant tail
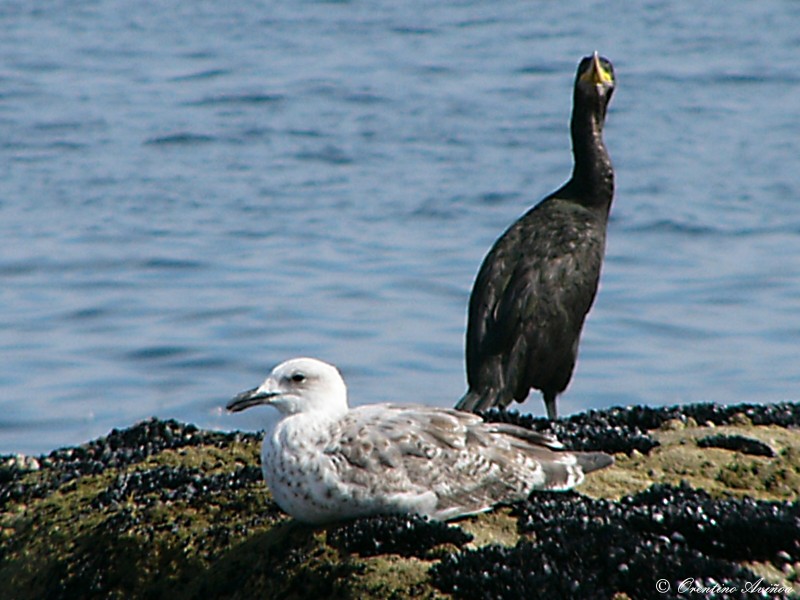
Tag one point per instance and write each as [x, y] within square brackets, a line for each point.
[474, 401]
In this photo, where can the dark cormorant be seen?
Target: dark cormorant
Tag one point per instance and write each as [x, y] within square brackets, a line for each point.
[539, 280]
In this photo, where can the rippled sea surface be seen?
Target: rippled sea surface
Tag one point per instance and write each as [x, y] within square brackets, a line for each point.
[192, 192]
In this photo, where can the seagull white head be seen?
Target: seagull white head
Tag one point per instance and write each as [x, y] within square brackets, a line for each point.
[299, 385]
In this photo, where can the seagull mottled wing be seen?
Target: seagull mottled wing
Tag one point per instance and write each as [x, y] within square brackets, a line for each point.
[324, 462]
[539, 280]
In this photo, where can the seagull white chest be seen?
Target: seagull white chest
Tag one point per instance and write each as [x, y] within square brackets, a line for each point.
[297, 470]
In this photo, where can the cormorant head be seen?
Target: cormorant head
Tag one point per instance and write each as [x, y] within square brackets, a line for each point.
[594, 83]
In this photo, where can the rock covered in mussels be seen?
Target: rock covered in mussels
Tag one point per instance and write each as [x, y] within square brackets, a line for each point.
[598, 548]
[165, 509]
[625, 429]
[740, 443]
[406, 535]
[120, 448]
[166, 484]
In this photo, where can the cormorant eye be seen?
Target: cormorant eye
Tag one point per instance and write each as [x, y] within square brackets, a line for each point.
[298, 378]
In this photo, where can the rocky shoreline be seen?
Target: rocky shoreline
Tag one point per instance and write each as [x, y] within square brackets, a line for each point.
[703, 498]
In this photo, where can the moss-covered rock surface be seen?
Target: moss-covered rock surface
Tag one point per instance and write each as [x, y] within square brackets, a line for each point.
[701, 496]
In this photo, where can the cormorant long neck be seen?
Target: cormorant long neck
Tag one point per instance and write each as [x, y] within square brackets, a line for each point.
[592, 180]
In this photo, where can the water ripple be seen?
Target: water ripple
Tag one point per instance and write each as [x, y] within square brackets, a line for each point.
[183, 138]
[246, 99]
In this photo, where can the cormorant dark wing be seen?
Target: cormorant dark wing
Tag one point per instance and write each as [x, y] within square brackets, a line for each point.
[552, 288]
[530, 300]
[539, 280]
[490, 286]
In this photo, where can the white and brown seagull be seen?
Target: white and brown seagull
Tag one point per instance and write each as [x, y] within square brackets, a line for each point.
[324, 461]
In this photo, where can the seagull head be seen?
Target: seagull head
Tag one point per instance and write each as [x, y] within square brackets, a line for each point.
[299, 385]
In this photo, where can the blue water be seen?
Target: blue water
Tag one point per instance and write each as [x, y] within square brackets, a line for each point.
[193, 192]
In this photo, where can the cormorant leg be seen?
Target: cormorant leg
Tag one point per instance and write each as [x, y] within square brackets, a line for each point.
[550, 404]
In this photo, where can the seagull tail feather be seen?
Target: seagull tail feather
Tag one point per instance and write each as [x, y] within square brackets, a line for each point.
[593, 461]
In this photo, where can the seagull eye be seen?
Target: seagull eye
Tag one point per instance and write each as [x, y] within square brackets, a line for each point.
[298, 378]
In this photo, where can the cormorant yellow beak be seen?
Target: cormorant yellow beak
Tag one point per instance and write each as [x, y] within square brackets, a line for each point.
[597, 74]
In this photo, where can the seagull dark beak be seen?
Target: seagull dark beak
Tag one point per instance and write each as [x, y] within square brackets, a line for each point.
[250, 398]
